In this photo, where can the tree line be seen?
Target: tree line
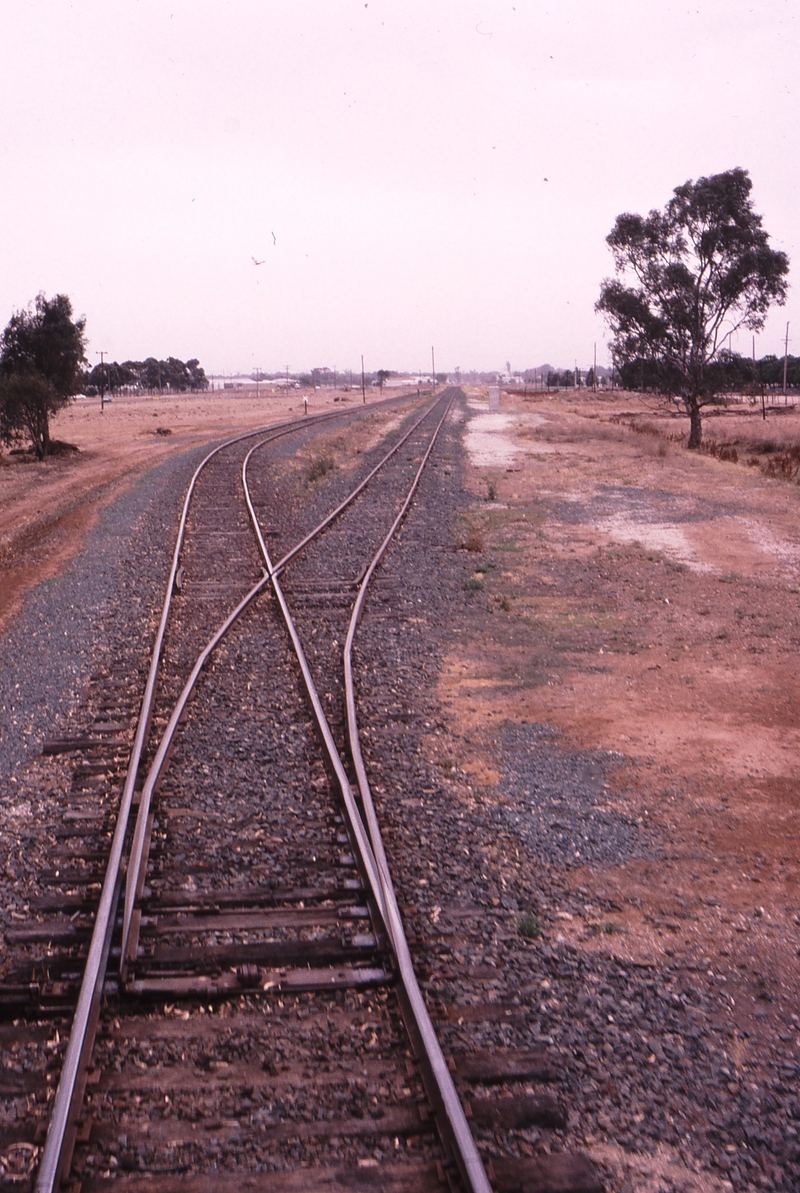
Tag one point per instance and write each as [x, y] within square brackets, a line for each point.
[728, 373]
[170, 375]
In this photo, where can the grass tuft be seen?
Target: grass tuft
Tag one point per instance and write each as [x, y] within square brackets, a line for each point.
[319, 468]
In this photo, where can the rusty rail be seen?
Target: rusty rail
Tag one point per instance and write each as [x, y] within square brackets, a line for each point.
[57, 1151]
[450, 1116]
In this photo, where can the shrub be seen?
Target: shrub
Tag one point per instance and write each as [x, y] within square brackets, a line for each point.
[319, 467]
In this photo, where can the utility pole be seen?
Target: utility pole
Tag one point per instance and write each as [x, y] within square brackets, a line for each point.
[257, 372]
[363, 383]
[287, 379]
[103, 383]
[785, 362]
[594, 369]
[433, 369]
[761, 387]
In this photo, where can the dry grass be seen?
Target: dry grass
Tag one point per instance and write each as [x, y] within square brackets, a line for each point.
[473, 540]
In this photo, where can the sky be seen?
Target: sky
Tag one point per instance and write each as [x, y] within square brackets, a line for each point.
[406, 173]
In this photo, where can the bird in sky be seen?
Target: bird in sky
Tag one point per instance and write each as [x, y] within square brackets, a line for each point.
[256, 262]
[274, 240]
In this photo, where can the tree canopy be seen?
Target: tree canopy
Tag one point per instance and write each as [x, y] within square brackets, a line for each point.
[686, 277]
[178, 376]
[41, 351]
[105, 378]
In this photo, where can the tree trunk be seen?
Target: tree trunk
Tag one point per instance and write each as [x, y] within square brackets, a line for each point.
[695, 427]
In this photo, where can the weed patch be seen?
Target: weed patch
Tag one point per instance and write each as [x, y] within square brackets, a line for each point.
[529, 926]
[606, 927]
[319, 467]
[473, 541]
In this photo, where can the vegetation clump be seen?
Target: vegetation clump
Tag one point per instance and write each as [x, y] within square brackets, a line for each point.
[41, 351]
[529, 926]
[473, 541]
[319, 467]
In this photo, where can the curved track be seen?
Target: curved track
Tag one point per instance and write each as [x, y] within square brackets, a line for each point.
[262, 933]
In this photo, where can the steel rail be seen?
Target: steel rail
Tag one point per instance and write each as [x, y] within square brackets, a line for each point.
[348, 797]
[136, 856]
[370, 845]
[290, 555]
[137, 851]
[69, 1092]
[443, 1093]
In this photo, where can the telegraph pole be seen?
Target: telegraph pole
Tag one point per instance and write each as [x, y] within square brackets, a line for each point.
[102, 386]
[785, 362]
[433, 369]
[594, 369]
[363, 383]
[761, 387]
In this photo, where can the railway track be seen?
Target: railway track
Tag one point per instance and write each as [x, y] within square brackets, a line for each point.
[249, 1012]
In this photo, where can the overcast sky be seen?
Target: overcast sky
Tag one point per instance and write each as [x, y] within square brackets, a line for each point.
[409, 172]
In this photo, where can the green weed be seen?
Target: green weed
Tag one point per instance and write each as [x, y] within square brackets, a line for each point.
[529, 926]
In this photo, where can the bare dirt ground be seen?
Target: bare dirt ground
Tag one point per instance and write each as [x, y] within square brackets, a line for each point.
[643, 600]
[46, 508]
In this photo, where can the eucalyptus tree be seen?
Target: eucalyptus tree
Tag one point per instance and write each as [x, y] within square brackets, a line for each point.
[686, 278]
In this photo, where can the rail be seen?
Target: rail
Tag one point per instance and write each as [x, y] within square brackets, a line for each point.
[438, 1081]
[57, 1151]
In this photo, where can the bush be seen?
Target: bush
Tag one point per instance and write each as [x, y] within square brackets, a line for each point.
[319, 468]
[473, 541]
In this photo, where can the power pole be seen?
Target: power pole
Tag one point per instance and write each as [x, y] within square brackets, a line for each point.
[763, 406]
[785, 362]
[433, 369]
[594, 369]
[102, 386]
[257, 372]
[363, 382]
